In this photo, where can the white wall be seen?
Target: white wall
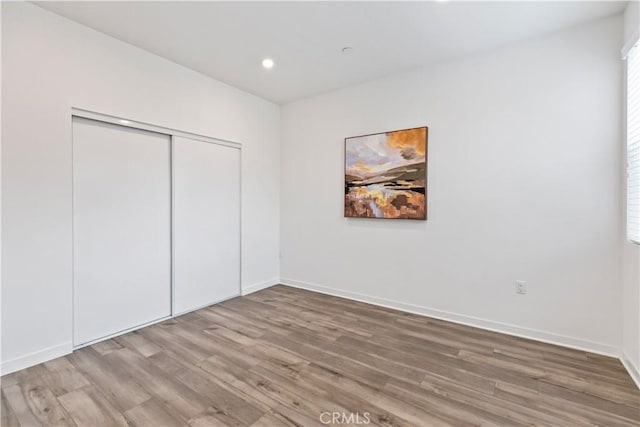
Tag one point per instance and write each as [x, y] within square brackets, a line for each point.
[631, 285]
[631, 20]
[49, 65]
[523, 183]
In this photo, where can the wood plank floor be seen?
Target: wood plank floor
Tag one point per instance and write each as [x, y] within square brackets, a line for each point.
[288, 357]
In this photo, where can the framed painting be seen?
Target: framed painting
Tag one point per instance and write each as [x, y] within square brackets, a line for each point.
[386, 175]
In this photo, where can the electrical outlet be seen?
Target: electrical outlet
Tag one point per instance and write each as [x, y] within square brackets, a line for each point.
[521, 287]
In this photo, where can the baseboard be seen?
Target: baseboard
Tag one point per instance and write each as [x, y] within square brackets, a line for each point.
[546, 337]
[36, 358]
[246, 290]
[634, 371]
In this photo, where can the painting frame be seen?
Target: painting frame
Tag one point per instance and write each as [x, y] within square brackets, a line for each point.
[375, 191]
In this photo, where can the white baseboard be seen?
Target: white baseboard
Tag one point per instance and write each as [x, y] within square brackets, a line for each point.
[36, 357]
[634, 371]
[246, 290]
[518, 331]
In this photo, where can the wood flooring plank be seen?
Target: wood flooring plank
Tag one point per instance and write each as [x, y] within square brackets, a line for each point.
[111, 379]
[61, 381]
[162, 335]
[10, 379]
[282, 395]
[386, 409]
[382, 365]
[59, 364]
[57, 376]
[152, 413]
[7, 416]
[488, 405]
[330, 400]
[207, 345]
[227, 405]
[183, 402]
[106, 347]
[135, 341]
[262, 393]
[36, 403]
[310, 399]
[241, 327]
[580, 369]
[273, 420]
[88, 408]
[338, 363]
[18, 403]
[588, 400]
[223, 368]
[244, 319]
[566, 412]
[210, 418]
[455, 412]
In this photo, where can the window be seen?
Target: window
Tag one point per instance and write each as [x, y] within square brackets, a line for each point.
[633, 144]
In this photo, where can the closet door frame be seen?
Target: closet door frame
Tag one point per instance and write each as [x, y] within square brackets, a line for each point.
[120, 121]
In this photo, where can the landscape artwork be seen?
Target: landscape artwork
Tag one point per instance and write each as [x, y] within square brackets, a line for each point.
[386, 175]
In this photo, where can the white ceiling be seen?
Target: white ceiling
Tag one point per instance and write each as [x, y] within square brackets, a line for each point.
[228, 40]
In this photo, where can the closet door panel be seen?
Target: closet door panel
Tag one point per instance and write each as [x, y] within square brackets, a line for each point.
[122, 228]
[206, 233]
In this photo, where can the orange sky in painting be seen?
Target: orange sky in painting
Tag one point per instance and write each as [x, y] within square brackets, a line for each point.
[412, 138]
[372, 154]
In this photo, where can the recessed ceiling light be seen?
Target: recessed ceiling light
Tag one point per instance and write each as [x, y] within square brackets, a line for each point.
[268, 63]
[347, 49]
[125, 122]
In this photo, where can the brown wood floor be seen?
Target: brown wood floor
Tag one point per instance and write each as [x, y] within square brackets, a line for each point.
[287, 357]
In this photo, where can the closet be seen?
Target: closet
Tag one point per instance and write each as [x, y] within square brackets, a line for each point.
[156, 225]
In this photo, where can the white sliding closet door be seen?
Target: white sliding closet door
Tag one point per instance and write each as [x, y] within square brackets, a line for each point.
[206, 203]
[122, 228]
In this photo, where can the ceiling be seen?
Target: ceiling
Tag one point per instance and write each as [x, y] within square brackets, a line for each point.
[228, 40]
